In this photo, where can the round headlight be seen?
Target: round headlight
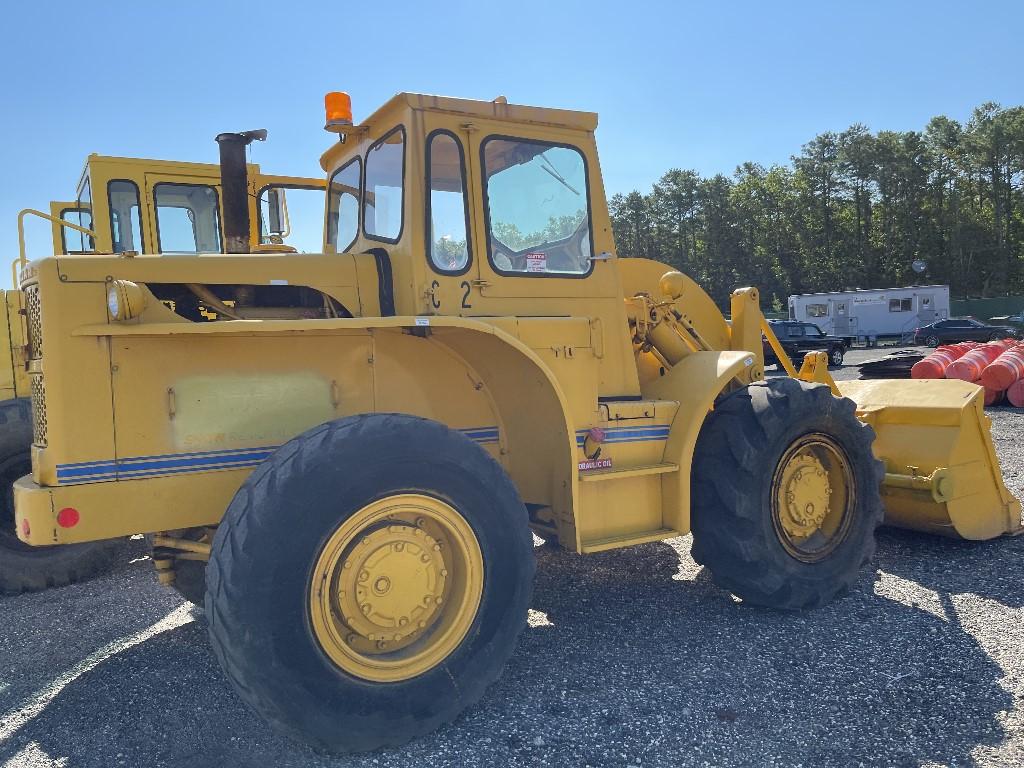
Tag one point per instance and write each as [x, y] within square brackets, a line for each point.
[125, 300]
[113, 302]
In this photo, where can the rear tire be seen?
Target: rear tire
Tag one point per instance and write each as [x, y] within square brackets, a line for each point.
[265, 584]
[996, 336]
[739, 527]
[24, 568]
[835, 357]
[931, 341]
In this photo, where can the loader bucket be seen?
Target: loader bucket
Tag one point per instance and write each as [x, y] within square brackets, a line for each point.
[941, 471]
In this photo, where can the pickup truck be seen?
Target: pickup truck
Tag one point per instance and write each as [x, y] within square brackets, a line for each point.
[798, 338]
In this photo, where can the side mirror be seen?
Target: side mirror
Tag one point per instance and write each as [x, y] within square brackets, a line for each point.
[277, 211]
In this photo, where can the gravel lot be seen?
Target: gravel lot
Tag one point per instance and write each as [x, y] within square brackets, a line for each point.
[632, 658]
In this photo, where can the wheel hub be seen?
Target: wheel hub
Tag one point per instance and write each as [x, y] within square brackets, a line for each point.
[391, 586]
[396, 587]
[806, 493]
[812, 497]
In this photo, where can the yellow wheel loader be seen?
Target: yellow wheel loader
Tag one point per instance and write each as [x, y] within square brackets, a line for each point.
[358, 445]
[142, 206]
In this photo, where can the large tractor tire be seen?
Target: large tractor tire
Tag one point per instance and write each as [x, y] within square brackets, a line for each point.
[785, 494]
[24, 568]
[369, 581]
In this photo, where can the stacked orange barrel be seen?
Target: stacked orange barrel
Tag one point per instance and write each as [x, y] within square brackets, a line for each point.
[998, 366]
[934, 366]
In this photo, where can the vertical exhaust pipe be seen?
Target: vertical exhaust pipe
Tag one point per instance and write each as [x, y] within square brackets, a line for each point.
[234, 185]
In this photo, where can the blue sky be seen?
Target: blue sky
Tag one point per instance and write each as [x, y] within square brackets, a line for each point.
[704, 86]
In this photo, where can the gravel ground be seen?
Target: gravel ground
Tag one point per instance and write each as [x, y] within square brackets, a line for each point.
[631, 658]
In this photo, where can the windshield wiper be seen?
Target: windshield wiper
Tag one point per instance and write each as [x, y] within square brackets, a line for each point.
[557, 176]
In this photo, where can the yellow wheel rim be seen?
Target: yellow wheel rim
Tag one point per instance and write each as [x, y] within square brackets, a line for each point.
[396, 588]
[812, 497]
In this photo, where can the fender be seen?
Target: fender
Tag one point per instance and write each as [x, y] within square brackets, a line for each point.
[694, 382]
[537, 444]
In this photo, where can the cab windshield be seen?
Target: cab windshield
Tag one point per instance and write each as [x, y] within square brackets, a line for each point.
[537, 207]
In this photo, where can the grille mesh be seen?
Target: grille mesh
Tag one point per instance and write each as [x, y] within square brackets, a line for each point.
[38, 411]
[34, 313]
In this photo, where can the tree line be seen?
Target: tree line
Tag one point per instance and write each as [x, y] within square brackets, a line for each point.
[854, 209]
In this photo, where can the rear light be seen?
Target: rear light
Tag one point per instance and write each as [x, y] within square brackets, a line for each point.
[68, 517]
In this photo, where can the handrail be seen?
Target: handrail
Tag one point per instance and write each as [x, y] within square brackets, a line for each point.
[22, 260]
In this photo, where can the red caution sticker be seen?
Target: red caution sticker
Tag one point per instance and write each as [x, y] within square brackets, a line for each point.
[595, 464]
[537, 262]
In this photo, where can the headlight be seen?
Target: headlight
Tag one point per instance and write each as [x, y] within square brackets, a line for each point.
[125, 300]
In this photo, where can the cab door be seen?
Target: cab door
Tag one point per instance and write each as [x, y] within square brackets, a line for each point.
[451, 251]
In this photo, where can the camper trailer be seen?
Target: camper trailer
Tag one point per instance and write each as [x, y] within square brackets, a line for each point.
[873, 315]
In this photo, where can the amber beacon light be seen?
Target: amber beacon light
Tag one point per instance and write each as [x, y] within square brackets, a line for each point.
[338, 106]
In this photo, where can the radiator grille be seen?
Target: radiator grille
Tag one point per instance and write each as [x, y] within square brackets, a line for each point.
[38, 411]
[34, 314]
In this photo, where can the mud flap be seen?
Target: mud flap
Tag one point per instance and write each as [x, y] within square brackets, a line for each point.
[941, 471]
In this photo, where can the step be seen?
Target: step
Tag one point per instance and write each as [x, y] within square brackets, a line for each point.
[628, 540]
[594, 475]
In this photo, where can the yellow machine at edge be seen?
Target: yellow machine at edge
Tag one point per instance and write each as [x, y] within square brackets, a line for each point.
[346, 464]
[134, 197]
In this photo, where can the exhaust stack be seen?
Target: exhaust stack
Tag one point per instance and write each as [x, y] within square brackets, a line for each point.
[234, 185]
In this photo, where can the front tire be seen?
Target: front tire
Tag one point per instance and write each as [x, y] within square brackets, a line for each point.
[24, 568]
[785, 494]
[932, 341]
[369, 581]
[835, 357]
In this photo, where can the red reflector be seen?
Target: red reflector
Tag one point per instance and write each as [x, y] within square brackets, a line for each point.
[26, 530]
[67, 517]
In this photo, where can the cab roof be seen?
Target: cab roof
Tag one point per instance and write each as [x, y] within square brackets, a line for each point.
[389, 112]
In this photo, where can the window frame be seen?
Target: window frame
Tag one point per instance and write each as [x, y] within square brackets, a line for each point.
[429, 225]
[487, 207]
[362, 186]
[900, 305]
[110, 213]
[216, 207]
[359, 203]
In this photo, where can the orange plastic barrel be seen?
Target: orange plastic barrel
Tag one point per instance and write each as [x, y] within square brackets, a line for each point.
[1015, 394]
[1004, 370]
[993, 396]
[970, 366]
[934, 366]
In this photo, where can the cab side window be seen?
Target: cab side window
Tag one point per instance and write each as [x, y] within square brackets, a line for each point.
[343, 205]
[187, 218]
[537, 206]
[382, 198]
[125, 225]
[72, 240]
[447, 207]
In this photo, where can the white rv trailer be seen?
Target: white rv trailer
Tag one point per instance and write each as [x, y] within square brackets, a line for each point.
[873, 314]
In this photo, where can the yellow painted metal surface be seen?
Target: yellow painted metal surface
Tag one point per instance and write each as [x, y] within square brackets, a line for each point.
[396, 588]
[942, 474]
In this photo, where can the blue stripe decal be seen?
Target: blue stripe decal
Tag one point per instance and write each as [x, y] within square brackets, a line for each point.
[199, 461]
[628, 434]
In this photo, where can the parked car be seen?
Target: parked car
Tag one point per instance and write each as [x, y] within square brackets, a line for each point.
[1016, 321]
[962, 329]
[798, 338]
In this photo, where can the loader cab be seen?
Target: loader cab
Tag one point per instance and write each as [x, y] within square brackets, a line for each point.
[479, 208]
[147, 206]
